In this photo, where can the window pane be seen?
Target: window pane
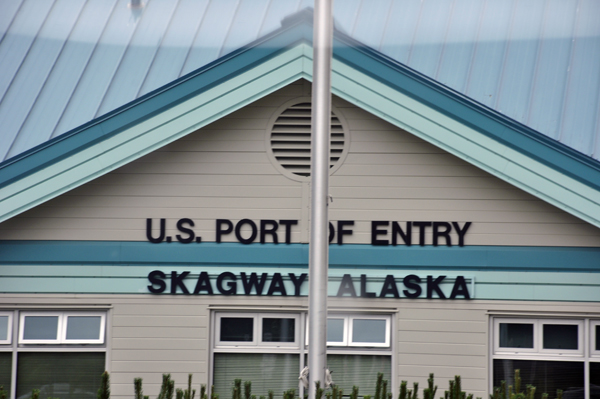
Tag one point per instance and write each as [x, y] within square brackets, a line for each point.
[5, 368]
[595, 380]
[237, 329]
[278, 330]
[516, 335]
[275, 372]
[4, 328]
[335, 330]
[60, 375]
[83, 327]
[40, 327]
[546, 376]
[560, 336]
[368, 330]
[359, 370]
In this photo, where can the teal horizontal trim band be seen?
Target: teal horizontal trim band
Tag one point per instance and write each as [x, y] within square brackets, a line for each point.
[352, 256]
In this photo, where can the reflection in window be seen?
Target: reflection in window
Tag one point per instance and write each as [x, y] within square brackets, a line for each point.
[4, 326]
[368, 330]
[267, 371]
[335, 330]
[560, 336]
[5, 369]
[83, 327]
[278, 330]
[359, 370]
[40, 328]
[546, 376]
[70, 375]
[237, 329]
[594, 380]
[516, 335]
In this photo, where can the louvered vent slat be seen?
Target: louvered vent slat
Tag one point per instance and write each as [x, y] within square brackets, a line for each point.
[290, 139]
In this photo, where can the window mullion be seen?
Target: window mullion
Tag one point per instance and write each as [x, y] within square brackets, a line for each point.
[15, 338]
[586, 355]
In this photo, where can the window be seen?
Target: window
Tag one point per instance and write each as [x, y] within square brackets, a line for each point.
[259, 347]
[5, 370]
[257, 329]
[60, 353]
[595, 338]
[270, 349]
[64, 375]
[5, 328]
[550, 352]
[61, 328]
[369, 331]
[521, 336]
[363, 331]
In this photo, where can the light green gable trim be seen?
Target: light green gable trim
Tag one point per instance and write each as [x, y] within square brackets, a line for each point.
[444, 132]
[107, 279]
[155, 132]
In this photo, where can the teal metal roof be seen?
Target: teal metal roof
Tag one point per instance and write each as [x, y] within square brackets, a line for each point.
[66, 62]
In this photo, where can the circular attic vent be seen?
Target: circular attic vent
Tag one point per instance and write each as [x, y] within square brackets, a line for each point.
[290, 140]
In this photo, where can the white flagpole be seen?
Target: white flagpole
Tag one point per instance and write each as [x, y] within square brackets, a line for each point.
[319, 227]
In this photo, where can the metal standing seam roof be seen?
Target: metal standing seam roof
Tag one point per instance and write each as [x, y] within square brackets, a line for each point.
[66, 62]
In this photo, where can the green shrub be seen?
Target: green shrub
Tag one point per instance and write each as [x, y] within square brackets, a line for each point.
[104, 390]
[502, 392]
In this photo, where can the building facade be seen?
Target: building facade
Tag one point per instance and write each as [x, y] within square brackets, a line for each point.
[171, 236]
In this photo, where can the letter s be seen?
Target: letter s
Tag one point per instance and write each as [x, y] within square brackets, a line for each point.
[157, 278]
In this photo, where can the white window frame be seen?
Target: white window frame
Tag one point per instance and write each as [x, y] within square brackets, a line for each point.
[594, 352]
[506, 350]
[385, 344]
[562, 352]
[300, 346]
[9, 327]
[277, 344]
[344, 331]
[220, 343]
[59, 326]
[100, 339]
[257, 341]
[348, 329]
[61, 333]
[585, 354]
[538, 338]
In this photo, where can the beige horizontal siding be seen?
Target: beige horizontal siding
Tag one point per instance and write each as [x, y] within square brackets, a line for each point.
[224, 171]
[152, 335]
[442, 326]
[435, 348]
[157, 321]
[410, 182]
[443, 338]
[166, 343]
[158, 366]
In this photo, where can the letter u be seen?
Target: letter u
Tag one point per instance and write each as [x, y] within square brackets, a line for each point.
[161, 236]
